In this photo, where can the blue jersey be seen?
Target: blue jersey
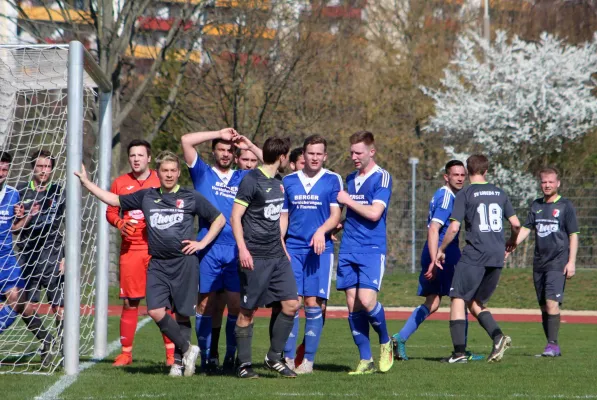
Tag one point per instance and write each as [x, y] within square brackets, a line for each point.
[220, 190]
[360, 234]
[440, 209]
[307, 202]
[9, 197]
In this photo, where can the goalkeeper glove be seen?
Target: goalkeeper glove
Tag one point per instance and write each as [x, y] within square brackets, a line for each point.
[127, 228]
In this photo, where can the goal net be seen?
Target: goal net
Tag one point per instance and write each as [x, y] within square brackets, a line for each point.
[33, 131]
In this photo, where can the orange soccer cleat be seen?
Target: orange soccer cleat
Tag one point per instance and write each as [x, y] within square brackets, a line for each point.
[123, 359]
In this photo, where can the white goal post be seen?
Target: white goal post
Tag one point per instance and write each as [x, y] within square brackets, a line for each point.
[50, 95]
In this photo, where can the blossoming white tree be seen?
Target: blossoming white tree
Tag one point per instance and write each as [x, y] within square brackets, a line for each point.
[515, 101]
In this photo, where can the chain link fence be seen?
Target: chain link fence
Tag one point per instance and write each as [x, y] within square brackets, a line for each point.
[582, 194]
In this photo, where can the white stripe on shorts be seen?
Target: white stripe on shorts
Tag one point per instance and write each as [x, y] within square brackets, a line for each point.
[382, 267]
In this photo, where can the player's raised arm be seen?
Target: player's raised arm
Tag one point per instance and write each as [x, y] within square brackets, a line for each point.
[190, 140]
[104, 196]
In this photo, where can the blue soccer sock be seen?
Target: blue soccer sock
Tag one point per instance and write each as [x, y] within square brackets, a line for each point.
[230, 338]
[203, 330]
[290, 347]
[7, 317]
[359, 327]
[377, 318]
[417, 317]
[313, 328]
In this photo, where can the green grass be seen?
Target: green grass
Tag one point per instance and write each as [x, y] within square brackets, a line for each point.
[515, 290]
[519, 375]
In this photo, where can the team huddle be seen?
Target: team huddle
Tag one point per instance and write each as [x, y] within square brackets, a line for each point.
[268, 241]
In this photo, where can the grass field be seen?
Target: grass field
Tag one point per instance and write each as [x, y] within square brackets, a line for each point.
[519, 375]
[514, 291]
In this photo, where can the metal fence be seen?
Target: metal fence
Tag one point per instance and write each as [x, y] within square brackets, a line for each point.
[582, 194]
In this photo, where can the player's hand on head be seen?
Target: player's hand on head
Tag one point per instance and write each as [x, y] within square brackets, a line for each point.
[343, 197]
[127, 228]
[192, 246]
[246, 260]
[228, 134]
[318, 242]
[242, 142]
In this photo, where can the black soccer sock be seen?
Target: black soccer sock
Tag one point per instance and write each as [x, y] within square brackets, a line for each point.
[215, 341]
[553, 328]
[272, 321]
[544, 315]
[35, 326]
[457, 331]
[172, 330]
[244, 341]
[185, 330]
[280, 333]
[488, 323]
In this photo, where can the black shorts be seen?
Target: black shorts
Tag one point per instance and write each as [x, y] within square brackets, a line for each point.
[549, 285]
[173, 284]
[41, 269]
[270, 281]
[474, 283]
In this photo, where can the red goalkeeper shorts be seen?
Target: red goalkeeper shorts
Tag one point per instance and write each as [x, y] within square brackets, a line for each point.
[133, 274]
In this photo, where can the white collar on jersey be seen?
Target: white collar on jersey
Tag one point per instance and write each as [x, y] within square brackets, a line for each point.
[224, 177]
[359, 180]
[449, 190]
[307, 182]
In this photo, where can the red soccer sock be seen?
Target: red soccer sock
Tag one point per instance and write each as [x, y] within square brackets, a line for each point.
[128, 326]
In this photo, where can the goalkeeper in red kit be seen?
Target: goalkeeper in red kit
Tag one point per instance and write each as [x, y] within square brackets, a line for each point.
[134, 257]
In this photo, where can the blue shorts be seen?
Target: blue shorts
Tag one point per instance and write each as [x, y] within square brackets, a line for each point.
[360, 270]
[443, 278]
[10, 275]
[313, 273]
[218, 269]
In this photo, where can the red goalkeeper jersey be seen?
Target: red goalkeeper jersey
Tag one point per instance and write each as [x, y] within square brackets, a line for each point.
[127, 184]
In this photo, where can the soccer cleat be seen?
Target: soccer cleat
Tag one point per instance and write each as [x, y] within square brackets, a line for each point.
[470, 356]
[499, 348]
[176, 370]
[229, 365]
[291, 363]
[47, 354]
[551, 350]
[386, 357]
[306, 367]
[399, 347]
[365, 367]
[210, 367]
[457, 358]
[300, 355]
[280, 367]
[169, 360]
[245, 371]
[189, 359]
[123, 359]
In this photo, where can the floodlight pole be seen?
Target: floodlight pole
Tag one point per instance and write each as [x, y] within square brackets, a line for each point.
[413, 204]
[74, 158]
[486, 23]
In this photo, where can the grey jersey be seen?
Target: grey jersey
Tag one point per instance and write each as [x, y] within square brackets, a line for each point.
[483, 208]
[553, 224]
[46, 225]
[169, 217]
[264, 197]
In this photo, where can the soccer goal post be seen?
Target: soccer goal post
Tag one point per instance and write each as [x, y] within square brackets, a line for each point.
[56, 98]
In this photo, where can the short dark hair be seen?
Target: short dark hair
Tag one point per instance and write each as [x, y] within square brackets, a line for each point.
[5, 157]
[275, 147]
[215, 142]
[41, 153]
[453, 163]
[550, 170]
[362, 137]
[139, 142]
[477, 164]
[295, 154]
[315, 139]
